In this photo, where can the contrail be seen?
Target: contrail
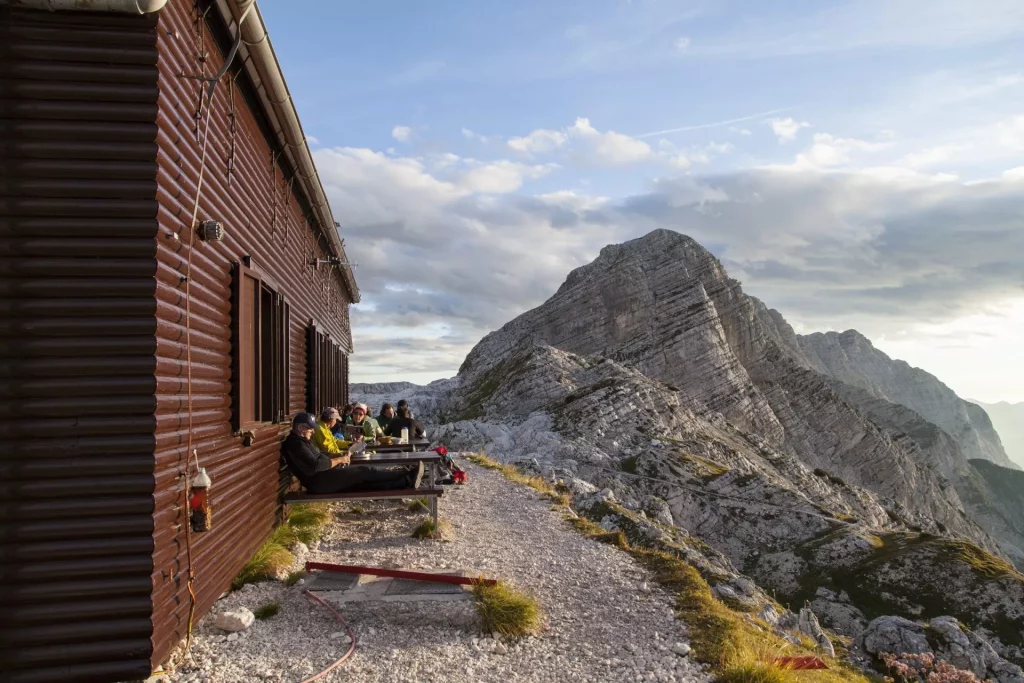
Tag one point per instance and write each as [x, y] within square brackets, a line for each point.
[713, 125]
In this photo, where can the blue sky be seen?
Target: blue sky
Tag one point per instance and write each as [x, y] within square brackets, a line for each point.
[453, 138]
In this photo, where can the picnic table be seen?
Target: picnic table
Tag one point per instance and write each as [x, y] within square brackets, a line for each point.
[393, 456]
[414, 446]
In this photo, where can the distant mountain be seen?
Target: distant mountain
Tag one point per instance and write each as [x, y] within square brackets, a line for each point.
[1008, 419]
[851, 358]
[679, 410]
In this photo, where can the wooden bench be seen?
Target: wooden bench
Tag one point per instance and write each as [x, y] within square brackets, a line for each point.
[431, 493]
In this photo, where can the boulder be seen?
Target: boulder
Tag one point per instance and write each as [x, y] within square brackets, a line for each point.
[235, 620]
[894, 635]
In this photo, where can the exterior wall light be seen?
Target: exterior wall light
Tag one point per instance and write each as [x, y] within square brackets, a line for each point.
[210, 231]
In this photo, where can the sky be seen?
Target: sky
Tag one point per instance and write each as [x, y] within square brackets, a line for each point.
[854, 163]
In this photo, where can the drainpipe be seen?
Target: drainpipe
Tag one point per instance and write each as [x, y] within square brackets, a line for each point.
[262, 64]
[121, 6]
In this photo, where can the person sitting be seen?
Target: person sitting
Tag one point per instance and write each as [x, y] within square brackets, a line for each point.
[339, 429]
[325, 437]
[359, 417]
[387, 413]
[404, 420]
[320, 473]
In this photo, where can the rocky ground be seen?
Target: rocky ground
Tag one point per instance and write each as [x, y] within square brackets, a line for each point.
[604, 619]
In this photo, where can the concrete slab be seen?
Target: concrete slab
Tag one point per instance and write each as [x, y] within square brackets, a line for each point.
[339, 587]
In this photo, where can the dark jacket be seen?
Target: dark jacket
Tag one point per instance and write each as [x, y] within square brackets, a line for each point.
[396, 425]
[383, 420]
[303, 458]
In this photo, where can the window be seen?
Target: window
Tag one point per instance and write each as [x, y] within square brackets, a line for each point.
[260, 367]
[326, 371]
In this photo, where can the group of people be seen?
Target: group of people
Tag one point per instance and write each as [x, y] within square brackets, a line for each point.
[390, 422]
[320, 456]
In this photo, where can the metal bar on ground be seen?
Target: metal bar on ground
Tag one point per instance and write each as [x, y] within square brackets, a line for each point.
[398, 573]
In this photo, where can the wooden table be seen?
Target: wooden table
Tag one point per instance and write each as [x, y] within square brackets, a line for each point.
[399, 457]
[414, 446]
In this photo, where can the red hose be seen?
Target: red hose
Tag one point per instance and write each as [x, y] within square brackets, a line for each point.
[351, 635]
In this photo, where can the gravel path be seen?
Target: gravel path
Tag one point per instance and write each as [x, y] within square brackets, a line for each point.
[604, 620]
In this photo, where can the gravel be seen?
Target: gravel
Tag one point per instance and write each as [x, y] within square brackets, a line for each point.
[605, 620]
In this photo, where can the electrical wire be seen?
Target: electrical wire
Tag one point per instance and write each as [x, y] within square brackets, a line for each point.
[351, 634]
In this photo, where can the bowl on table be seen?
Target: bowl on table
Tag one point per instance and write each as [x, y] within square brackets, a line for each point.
[385, 440]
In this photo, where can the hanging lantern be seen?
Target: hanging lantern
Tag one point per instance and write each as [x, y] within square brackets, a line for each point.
[200, 514]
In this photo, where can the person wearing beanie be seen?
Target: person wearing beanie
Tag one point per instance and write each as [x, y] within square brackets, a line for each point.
[360, 418]
[320, 473]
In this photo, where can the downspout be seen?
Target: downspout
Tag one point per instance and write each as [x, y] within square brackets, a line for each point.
[120, 6]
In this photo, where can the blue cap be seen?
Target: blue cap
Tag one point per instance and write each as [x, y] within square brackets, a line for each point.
[304, 420]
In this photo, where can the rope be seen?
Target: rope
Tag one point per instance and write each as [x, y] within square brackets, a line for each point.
[351, 635]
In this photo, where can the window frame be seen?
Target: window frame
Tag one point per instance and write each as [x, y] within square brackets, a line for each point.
[326, 370]
[261, 350]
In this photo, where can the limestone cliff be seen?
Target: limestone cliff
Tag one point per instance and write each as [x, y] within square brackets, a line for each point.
[665, 307]
[851, 358]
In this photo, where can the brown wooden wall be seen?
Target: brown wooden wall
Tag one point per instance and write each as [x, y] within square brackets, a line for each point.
[78, 212]
[257, 202]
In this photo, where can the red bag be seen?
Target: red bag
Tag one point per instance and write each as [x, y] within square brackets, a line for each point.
[459, 476]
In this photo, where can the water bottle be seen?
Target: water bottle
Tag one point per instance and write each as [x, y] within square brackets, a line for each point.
[405, 435]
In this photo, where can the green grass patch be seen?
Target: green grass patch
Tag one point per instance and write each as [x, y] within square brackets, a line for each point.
[294, 577]
[270, 560]
[506, 611]
[427, 531]
[419, 505]
[557, 494]
[305, 523]
[268, 610]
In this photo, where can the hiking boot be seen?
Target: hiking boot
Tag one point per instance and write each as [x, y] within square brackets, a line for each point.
[447, 480]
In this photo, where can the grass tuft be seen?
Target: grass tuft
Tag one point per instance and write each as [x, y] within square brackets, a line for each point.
[419, 505]
[558, 494]
[295, 577]
[506, 611]
[305, 523]
[268, 610]
[426, 531]
[270, 560]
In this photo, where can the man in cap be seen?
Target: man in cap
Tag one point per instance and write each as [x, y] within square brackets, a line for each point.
[320, 473]
[324, 438]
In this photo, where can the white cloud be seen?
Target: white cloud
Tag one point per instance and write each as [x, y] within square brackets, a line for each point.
[608, 148]
[682, 43]
[786, 129]
[540, 141]
[740, 131]
[448, 250]
[401, 133]
[828, 150]
[483, 139]
[312, 140]
[501, 176]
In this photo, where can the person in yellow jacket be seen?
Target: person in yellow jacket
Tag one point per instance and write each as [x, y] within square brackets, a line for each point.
[323, 439]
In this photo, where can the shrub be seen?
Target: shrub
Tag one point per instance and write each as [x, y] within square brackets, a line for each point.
[506, 611]
[307, 521]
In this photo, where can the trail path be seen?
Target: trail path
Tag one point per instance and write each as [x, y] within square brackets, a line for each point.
[605, 620]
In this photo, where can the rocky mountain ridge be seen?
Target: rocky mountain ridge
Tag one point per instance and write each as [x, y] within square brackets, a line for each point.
[651, 376]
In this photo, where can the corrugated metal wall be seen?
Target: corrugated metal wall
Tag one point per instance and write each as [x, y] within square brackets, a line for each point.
[77, 220]
[256, 201]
